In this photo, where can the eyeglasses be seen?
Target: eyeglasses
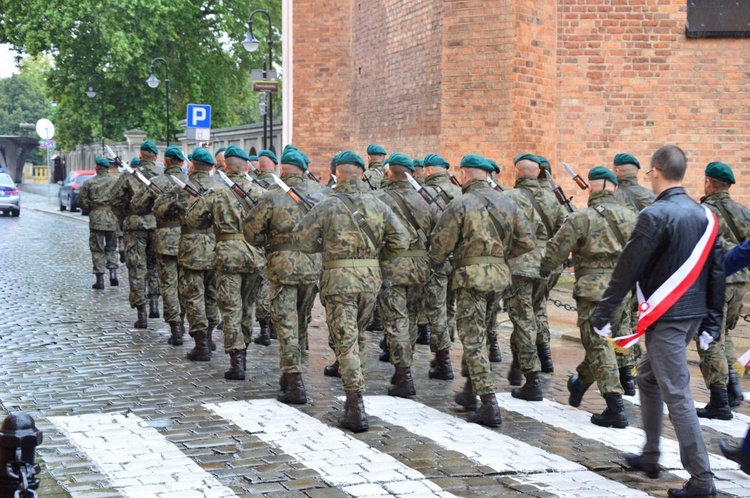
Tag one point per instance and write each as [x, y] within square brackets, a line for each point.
[648, 173]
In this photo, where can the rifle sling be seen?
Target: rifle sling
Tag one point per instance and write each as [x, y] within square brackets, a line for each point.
[638, 204]
[612, 225]
[359, 221]
[545, 220]
[730, 221]
[243, 200]
[407, 213]
[495, 221]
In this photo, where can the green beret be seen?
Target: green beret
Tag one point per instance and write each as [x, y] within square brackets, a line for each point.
[602, 173]
[219, 151]
[149, 146]
[494, 165]
[375, 150]
[621, 159]
[190, 157]
[202, 155]
[304, 156]
[720, 171]
[103, 163]
[234, 151]
[399, 159]
[252, 158]
[295, 158]
[525, 157]
[543, 161]
[435, 160]
[136, 161]
[335, 159]
[349, 157]
[269, 154]
[478, 162]
[418, 163]
[174, 151]
[288, 148]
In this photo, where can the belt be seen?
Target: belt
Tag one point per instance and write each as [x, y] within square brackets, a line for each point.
[582, 272]
[100, 208]
[193, 231]
[222, 237]
[282, 247]
[168, 224]
[351, 263]
[413, 254]
[479, 260]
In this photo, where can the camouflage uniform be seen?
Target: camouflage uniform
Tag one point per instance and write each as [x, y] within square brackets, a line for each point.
[595, 249]
[528, 289]
[293, 275]
[351, 271]
[138, 234]
[373, 176]
[103, 226]
[466, 230]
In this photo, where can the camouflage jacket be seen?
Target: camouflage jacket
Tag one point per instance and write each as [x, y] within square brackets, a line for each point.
[441, 189]
[594, 244]
[270, 224]
[330, 228]
[720, 203]
[413, 266]
[196, 247]
[633, 195]
[527, 265]
[467, 230]
[94, 198]
[373, 175]
[221, 209]
[122, 194]
[167, 219]
[267, 176]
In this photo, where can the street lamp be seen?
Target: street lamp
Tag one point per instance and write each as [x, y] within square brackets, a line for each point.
[153, 82]
[91, 93]
[251, 44]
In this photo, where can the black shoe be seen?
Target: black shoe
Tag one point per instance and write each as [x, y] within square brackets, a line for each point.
[689, 491]
[735, 455]
[423, 334]
[236, 366]
[142, 321]
[627, 381]
[385, 354]
[734, 389]
[466, 397]
[440, 367]
[354, 418]
[332, 370]
[495, 356]
[531, 390]
[718, 407]
[488, 414]
[577, 389]
[176, 337]
[153, 307]
[99, 284]
[113, 282]
[515, 377]
[613, 415]
[293, 390]
[376, 325]
[403, 383]
[545, 357]
[264, 338]
[636, 462]
[122, 256]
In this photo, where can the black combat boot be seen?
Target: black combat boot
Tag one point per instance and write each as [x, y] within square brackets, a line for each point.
[200, 351]
[627, 381]
[736, 455]
[466, 397]
[577, 389]
[293, 391]
[210, 338]
[734, 389]
[613, 415]
[423, 334]
[691, 491]
[488, 414]
[354, 418]
[495, 356]
[142, 322]
[636, 462]
[440, 367]
[385, 354]
[264, 338]
[531, 390]
[272, 331]
[122, 256]
[99, 284]
[376, 325]
[176, 338]
[545, 358]
[403, 384]
[244, 359]
[515, 377]
[153, 307]
[718, 406]
[113, 282]
[236, 369]
[332, 370]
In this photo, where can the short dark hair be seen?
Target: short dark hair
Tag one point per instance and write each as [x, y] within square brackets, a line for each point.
[719, 184]
[671, 161]
[201, 166]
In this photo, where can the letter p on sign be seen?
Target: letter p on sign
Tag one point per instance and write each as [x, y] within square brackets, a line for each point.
[198, 116]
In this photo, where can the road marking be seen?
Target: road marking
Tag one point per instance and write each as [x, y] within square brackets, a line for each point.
[340, 459]
[727, 474]
[137, 459]
[526, 464]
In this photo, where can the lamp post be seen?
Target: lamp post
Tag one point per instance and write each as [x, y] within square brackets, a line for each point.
[153, 82]
[91, 93]
[251, 44]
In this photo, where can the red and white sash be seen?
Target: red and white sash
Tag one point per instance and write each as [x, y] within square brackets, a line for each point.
[651, 309]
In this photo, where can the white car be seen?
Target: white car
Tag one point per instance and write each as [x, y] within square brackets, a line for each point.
[10, 197]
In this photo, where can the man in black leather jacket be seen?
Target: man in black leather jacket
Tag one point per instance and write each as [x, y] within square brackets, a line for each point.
[665, 236]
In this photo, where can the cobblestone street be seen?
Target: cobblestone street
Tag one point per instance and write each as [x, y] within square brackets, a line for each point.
[125, 414]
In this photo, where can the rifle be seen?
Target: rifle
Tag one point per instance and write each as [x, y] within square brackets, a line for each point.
[136, 173]
[561, 198]
[420, 189]
[494, 185]
[293, 193]
[335, 180]
[255, 171]
[366, 179]
[239, 191]
[186, 187]
[576, 177]
[453, 179]
[311, 176]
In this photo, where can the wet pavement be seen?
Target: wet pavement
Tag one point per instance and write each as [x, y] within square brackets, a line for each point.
[70, 354]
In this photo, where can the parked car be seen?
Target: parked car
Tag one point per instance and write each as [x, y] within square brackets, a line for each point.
[71, 186]
[10, 197]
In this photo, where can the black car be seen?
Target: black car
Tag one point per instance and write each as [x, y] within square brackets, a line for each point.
[70, 188]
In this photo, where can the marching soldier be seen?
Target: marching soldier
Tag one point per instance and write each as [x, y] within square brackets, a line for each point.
[103, 226]
[139, 232]
[374, 172]
[482, 230]
[595, 236]
[352, 229]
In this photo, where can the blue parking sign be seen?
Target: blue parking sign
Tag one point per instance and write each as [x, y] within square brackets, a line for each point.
[198, 116]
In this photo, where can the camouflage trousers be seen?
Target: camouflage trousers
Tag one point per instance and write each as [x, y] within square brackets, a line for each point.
[734, 294]
[523, 339]
[290, 306]
[399, 305]
[599, 364]
[539, 294]
[233, 293]
[103, 245]
[198, 291]
[435, 300]
[473, 308]
[169, 286]
[347, 316]
[140, 258]
[621, 326]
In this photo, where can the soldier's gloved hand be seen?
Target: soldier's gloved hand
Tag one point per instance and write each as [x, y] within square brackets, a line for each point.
[704, 340]
[544, 272]
[605, 331]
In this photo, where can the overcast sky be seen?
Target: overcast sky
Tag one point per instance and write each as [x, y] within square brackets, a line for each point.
[7, 64]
